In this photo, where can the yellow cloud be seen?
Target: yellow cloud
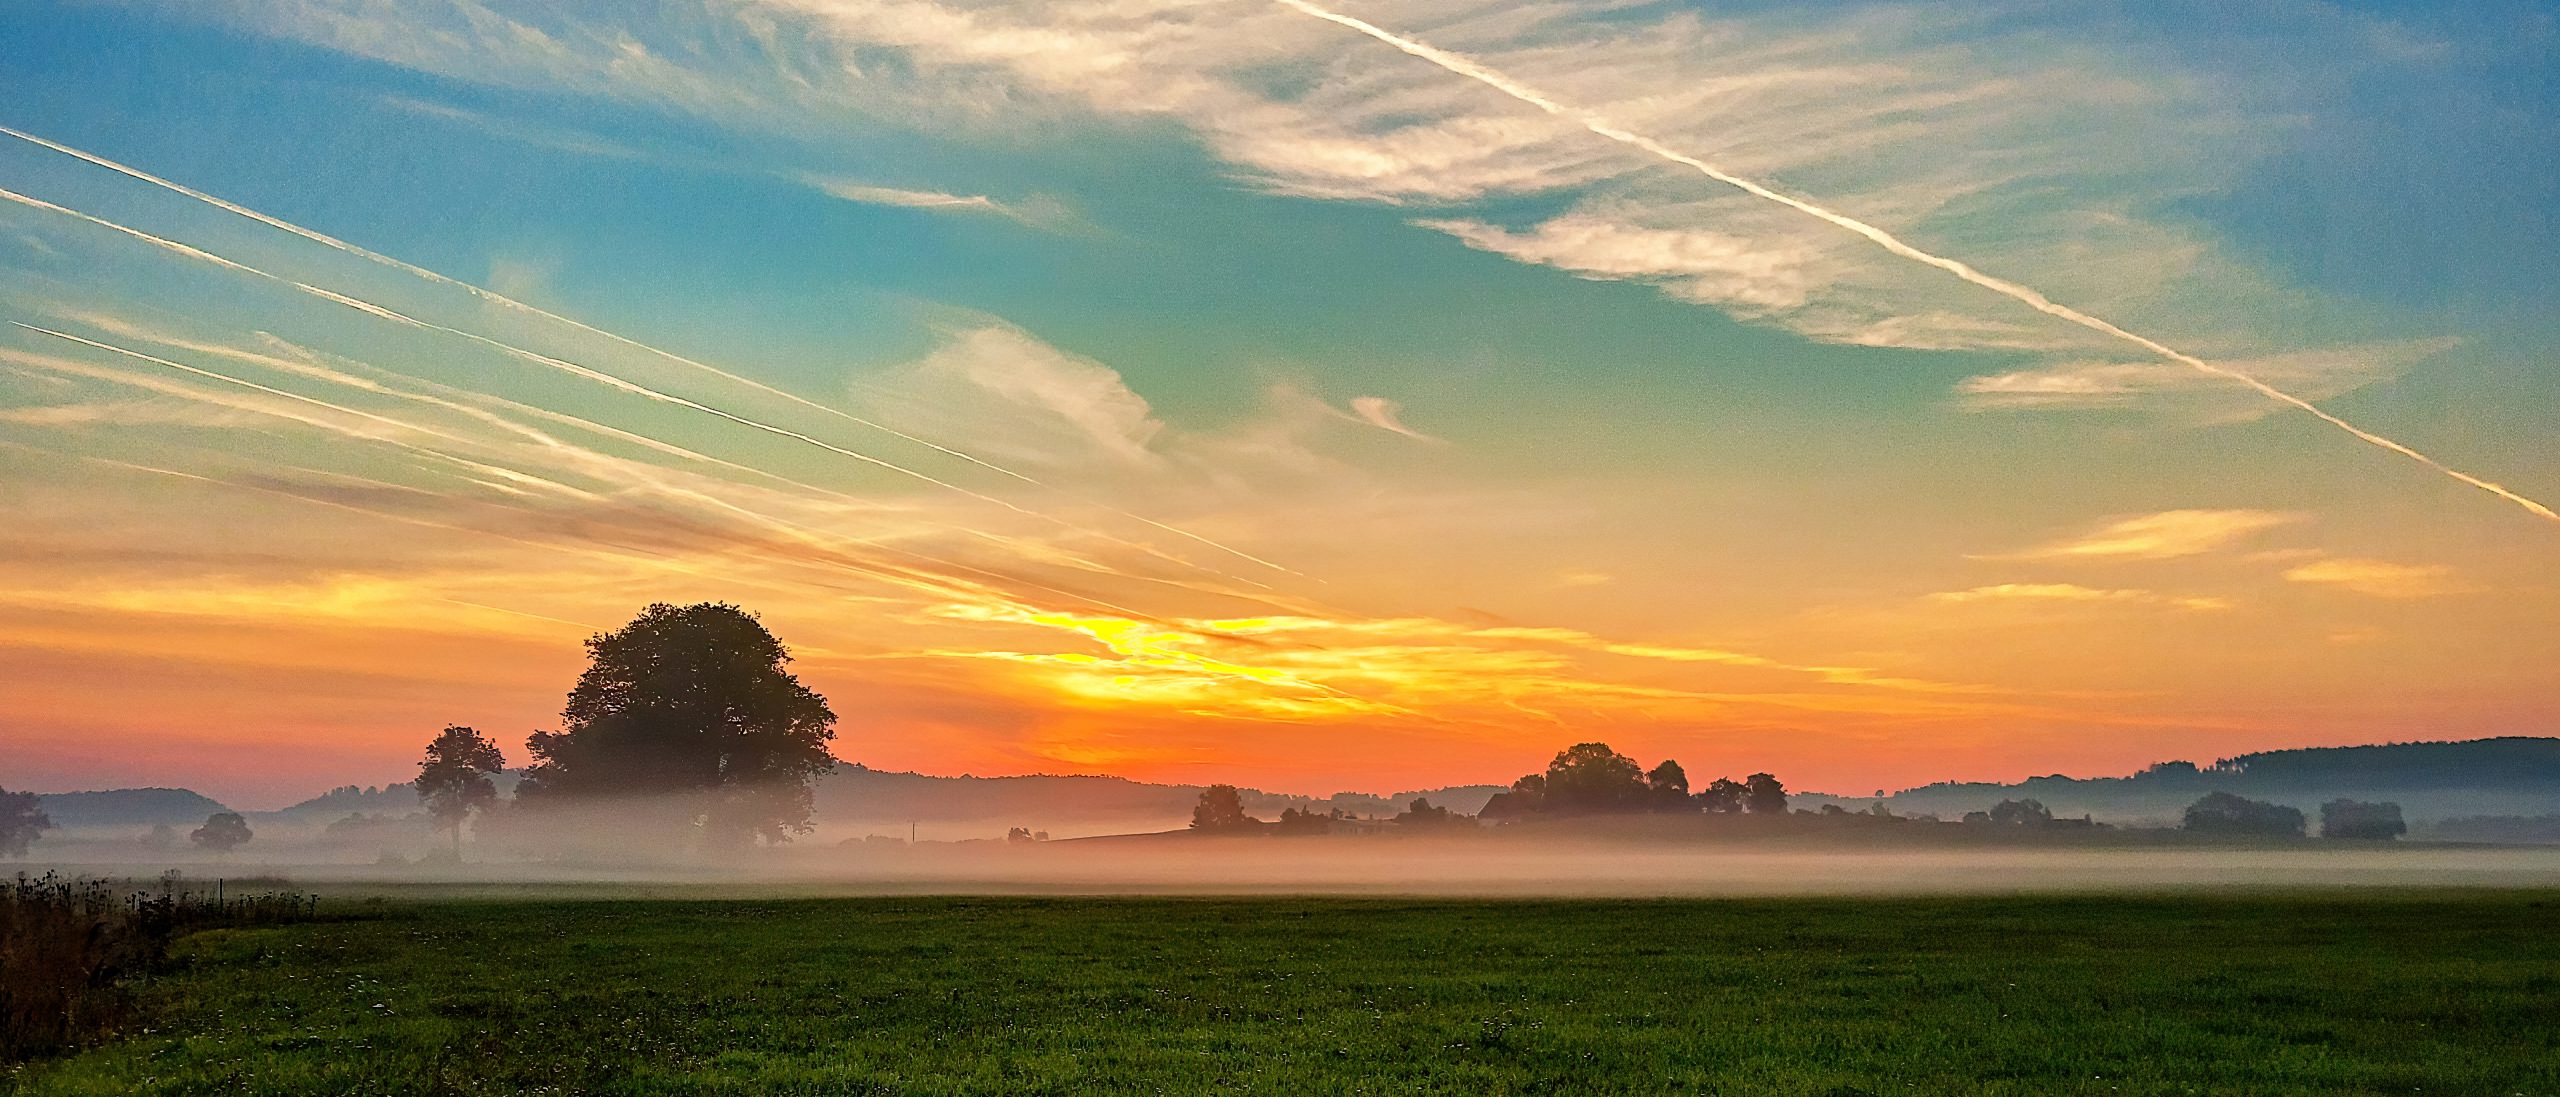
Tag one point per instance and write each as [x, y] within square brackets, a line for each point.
[2380, 578]
[2073, 592]
[2167, 534]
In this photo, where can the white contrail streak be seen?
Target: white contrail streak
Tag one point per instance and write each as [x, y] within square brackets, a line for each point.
[395, 424]
[598, 377]
[497, 298]
[931, 583]
[2025, 295]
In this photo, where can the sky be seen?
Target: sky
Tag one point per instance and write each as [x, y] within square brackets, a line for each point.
[1309, 397]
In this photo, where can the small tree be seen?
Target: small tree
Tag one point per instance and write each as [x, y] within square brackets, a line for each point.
[222, 832]
[1221, 809]
[22, 818]
[1422, 813]
[1294, 821]
[2021, 813]
[2224, 813]
[453, 778]
[2358, 819]
[1763, 795]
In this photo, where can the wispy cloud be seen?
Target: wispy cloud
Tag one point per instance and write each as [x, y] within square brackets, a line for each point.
[2073, 592]
[2161, 536]
[1893, 244]
[2380, 578]
[1386, 415]
[1037, 213]
[1749, 275]
[539, 135]
[2082, 385]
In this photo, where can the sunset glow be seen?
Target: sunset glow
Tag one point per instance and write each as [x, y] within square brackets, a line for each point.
[1254, 392]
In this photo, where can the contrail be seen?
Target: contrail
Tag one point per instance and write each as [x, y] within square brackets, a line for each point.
[2025, 295]
[497, 298]
[396, 424]
[901, 576]
[606, 379]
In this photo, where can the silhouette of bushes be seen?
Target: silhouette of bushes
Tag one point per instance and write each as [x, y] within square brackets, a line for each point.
[69, 948]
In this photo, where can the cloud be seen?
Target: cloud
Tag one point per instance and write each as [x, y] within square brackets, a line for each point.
[2167, 534]
[1040, 213]
[1945, 126]
[2380, 578]
[1386, 415]
[997, 388]
[2099, 384]
[2072, 592]
[539, 135]
[1714, 268]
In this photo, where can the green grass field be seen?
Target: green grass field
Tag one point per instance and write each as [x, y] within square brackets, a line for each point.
[2454, 993]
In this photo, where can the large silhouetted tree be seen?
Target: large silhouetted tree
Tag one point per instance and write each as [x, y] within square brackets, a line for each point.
[222, 832]
[1667, 786]
[1763, 795]
[1221, 809]
[453, 778]
[692, 703]
[22, 818]
[1590, 777]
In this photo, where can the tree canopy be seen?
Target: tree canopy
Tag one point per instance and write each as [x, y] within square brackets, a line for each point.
[1590, 779]
[222, 832]
[1587, 778]
[453, 777]
[692, 703]
[1221, 809]
[2029, 812]
[1763, 795]
[22, 818]
[2343, 818]
[2224, 813]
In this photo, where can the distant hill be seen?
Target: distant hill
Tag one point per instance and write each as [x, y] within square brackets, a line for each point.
[397, 798]
[2515, 775]
[128, 807]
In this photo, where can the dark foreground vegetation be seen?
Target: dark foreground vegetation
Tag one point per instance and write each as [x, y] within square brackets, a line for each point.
[71, 950]
[2222, 994]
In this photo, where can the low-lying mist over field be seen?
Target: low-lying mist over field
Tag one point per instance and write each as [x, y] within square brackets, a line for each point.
[1517, 861]
[1594, 822]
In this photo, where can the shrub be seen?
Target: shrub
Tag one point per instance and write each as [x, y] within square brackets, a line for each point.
[2224, 813]
[2358, 819]
[69, 947]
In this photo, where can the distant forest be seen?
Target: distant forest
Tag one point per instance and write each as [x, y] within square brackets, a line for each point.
[2509, 776]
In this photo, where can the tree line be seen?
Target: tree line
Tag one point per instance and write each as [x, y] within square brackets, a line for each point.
[1583, 779]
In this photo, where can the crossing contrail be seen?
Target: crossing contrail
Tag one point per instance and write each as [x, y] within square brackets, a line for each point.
[2025, 295]
[599, 377]
[937, 583]
[494, 297]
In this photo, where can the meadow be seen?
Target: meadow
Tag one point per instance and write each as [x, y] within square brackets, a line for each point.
[2221, 993]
